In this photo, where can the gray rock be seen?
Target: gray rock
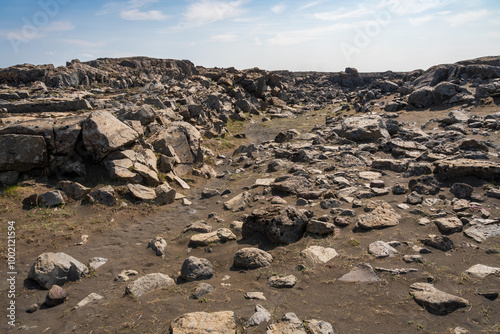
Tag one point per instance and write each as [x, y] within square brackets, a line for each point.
[199, 226]
[255, 295]
[440, 242]
[201, 322]
[319, 327]
[261, 315]
[22, 153]
[482, 271]
[282, 282]
[208, 193]
[239, 202]
[103, 133]
[449, 225]
[413, 259]
[158, 244]
[397, 166]
[56, 269]
[362, 273]
[288, 324]
[55, 296]
[434, 300]
[165, 194]
[51, 199]
[97, 262]
[105, 195]
[381, 249]
[483, 229]
[219, 236]
[364, 128]
[141, 192]
[8, 178]
[149, 283]
[291, 184]
[461, 190]
[73, 189]
[194, 269]
[279, 224]
[382, 215]
[201, 290]
[319, 254]
[320, 228]
[252, 258]
[414, 198]
[90, 299]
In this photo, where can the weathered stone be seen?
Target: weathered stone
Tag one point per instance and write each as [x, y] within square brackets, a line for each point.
[461, 190]
[255, 295]
[90, 299]
[447, 169]
[434, 300]
[165, 194]
[364, 128]
[440, 242]
[482, 271]
[382, 216]
[97, 262]
[483, 229]
[208, 193]
[239, 202]
[449, 225]
[22, 153]
[141, 192]
[158, 244]
[320, 228]
[381, 249]
[194, 269]
[73, 189]
[205, 239]
[56, 269]
[362, 273]
[283, 225]
[105, 195]
[204, 323]
[201, 290]
[252, 258]
[291, 184]
[55, 296]
[51, 199]
[261, 315]
[282, 282]
[103, 133]
[149, 283]
[319, 327]
[319, 254]
[288, 324]
[397, 166]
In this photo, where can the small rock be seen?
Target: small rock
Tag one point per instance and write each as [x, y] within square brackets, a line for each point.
[461, 190]
[201, 322]
[194, 269]
[92, 298]
[255, 295]
[282, 282]
[32, 308]
[438, 241]
[319, 254]
[97, 262]
[158, 244]
[289, 323]
[449, 225]
[201, 290]
[434, 300]
[413, 259]
[208, 193]
[55, 296]
[252, 258]
[482, 271]
[362, 273]
[261, 315]
[319, 327]
[381, 249]
[124, 275]
[148, 283]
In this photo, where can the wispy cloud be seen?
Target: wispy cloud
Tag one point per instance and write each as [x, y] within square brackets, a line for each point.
[342, 13]
[87, 56]
[310, 5]
[301, 36]
[418, 21]
[413, 6]
[279, 8]
[133, 10]
[225, 38]
[466, 17]
[209, 11]
[82, 43]
[37, 33]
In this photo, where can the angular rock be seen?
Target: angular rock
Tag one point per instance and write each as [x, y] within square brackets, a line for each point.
[482, 271]
[208, 193]
[239, 202]
[288, 324]
[51, 199]
[320, 228]
[149, 283]
[319, 327]
[204, 323]
[255, 295]
[382, 216]
[362, 273]
[319, 254]
[252, 258]
[158, 244]
[22, 153]
[282, 282]
[449, 225]
[261, 315]
[194, 269]
[440, 242]
[483, 229]
[103, 133]
[165, 194]
[90, 299]
[434, 300]
[461, 190]
[105, 195]
[205, 239]
[291, 184]
[364, 128]
[141, 192]
[282, 225]
[201, 290]
[56, 269]
[397, 166]
[73, 189]
[381, 249]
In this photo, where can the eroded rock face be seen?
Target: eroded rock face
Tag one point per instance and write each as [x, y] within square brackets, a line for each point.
[22, 152]
[201, 322]
[282, 225]
[434, 300]
[56, 269]
[103, 133]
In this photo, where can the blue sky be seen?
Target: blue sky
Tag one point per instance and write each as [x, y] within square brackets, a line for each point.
[321, 35]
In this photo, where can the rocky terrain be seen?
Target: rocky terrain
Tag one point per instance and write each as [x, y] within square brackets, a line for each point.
[156, 196]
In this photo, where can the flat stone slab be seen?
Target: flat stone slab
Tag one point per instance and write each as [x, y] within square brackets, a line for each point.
[263, 182]
[436, 301]
[482, 271]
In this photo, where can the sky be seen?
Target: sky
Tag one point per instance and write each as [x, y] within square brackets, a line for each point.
[310, 35]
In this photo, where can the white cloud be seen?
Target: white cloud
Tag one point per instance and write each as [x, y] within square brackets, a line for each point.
[30, 32]
[209, 11]
[131, 10]
[300, 36]
[418, 21]
[343, 14]
[279, 8]
[225, 38]
[137, 15]
[310, 4]
[466, 17]
[406, 7]
[82, 43]
[88, 56]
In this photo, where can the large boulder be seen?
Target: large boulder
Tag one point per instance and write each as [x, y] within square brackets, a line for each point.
[447, 169]
[364, 128]
[22, 152]
[149, 283]
[184, 138]
[202, 322]
[56, 269]
[103, 133]
[434, 300]
[283, 225]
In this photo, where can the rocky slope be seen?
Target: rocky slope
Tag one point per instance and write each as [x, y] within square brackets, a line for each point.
[305, 202]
